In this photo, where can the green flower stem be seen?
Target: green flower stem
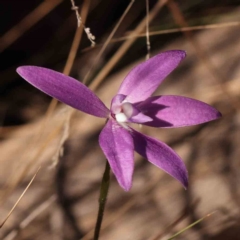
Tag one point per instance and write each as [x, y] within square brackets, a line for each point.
[102, 200]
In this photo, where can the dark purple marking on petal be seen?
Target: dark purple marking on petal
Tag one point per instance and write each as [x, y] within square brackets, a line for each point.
[144, 79]
[161, 155]
[65, 89]
[117, 145]
[177, 111]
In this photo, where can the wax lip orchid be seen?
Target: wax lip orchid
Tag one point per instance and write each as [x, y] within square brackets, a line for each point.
[132, 104]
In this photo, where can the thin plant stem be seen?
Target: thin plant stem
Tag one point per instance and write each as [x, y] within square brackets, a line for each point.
[20, 198]
[102, 199]
[147, 31]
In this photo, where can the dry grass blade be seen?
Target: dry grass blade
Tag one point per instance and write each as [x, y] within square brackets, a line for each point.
[68, 66]
[195, 28]
[76, 40]
[90, 36]
[147, 31]
[190, 226]
[174, 30]
[214, 72]
[183, 215]
[19, 199]
[108, 40]
[29, 21]
[122, 50]
[182, 29]
[35, 213]
[60, 149]
[71, 56]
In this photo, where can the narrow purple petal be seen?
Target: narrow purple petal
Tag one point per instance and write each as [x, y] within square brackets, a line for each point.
[161, 155]
[144, 79]
[65, 89]
[117, 145]
[177, 111]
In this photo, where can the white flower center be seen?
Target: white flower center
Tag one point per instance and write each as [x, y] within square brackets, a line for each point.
[121, 117]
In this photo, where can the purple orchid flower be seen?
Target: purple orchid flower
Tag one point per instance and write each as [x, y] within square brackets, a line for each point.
[132, 104]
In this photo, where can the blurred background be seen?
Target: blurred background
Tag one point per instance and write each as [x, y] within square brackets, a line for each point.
[62, 201]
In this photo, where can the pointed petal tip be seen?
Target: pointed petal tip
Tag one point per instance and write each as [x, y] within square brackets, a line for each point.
[185, 182]
[117, 146]
[183, 53]
[126, 187]
[219, 115]
[161, 155]
[183, 178]
[215, 115]
[125, 184]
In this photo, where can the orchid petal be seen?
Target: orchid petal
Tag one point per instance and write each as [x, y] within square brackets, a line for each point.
[116, 104]
[117, 145]
[140, 118]
[144, 79]
[177, 111]
[65, 89]
[161, 155]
